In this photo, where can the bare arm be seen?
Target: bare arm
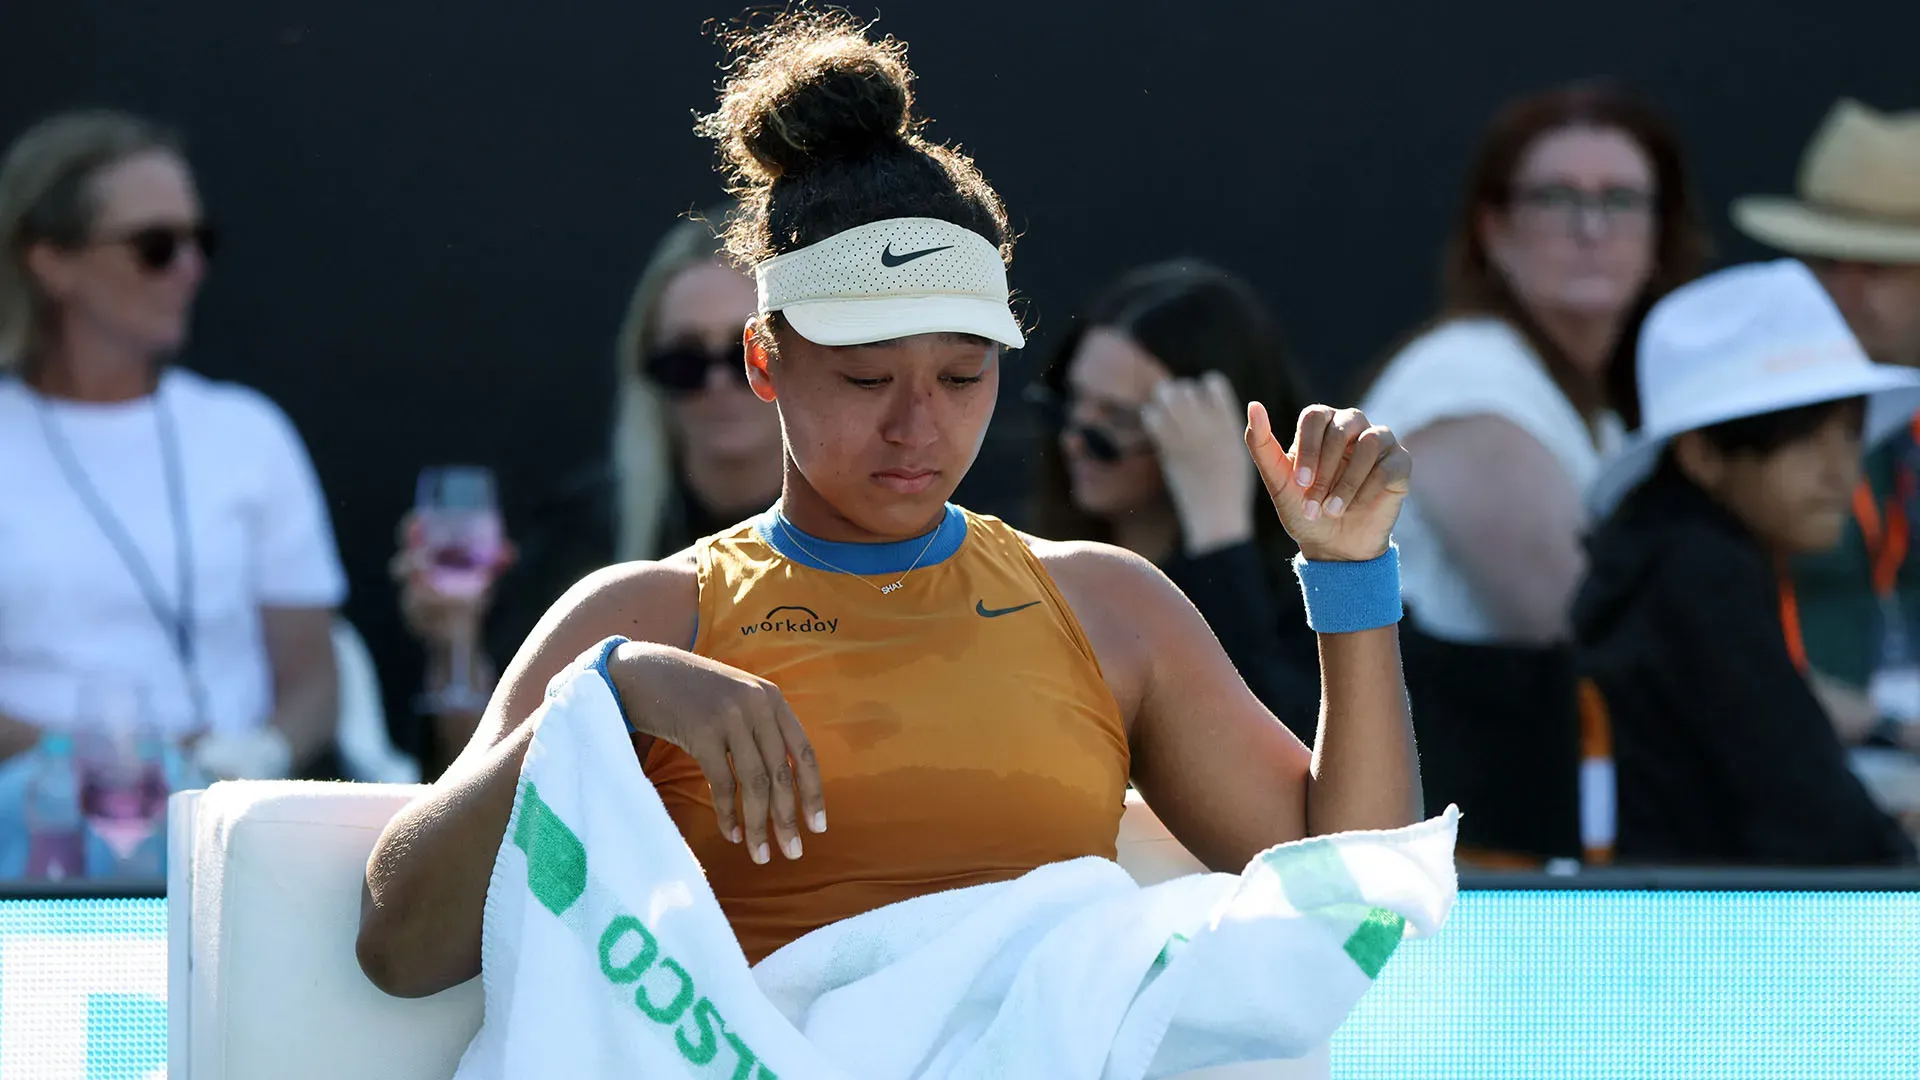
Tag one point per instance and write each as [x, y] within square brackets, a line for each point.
[1221, 771]
[306, 684]
[1510, 517]
[1227, 777]
[427, 878]
[1366, 771]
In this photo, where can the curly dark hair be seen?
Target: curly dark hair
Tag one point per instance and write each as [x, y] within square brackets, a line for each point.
[817, 136]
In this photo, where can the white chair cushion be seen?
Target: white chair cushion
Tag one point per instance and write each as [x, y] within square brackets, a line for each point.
[274, 987]
[264, 982]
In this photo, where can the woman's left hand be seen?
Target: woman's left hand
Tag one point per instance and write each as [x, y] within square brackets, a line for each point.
[1339, 490]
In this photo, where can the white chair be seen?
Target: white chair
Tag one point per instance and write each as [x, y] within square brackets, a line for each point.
[264, 903]
[366, 750]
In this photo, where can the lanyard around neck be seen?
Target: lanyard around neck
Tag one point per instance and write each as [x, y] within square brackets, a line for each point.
[176, 619]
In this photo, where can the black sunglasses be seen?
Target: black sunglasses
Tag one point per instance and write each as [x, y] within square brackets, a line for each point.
[157, 246]
[1102, 445]
[682, 369]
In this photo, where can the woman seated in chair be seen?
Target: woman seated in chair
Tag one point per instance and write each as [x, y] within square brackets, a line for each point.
[161, 533]
[962, 702]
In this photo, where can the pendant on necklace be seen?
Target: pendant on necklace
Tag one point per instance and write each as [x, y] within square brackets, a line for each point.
[885, 589]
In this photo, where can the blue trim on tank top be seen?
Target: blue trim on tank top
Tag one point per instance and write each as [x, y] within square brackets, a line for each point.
[892, 557]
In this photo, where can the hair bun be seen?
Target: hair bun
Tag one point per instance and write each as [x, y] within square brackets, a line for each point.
[809, 88]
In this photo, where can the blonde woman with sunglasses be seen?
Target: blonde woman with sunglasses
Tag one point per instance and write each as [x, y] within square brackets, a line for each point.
[159, 531]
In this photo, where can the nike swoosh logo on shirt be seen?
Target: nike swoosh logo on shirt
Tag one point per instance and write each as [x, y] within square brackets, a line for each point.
[981, 609]
[888, 258]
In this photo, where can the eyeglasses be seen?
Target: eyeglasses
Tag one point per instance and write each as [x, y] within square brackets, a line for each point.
[1574, 208]
[682, 369]
[1119, 435]
[157, 246]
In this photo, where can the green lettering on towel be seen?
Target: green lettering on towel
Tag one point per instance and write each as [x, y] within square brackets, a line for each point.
[1375, 939]
[744, 1070]
[1319, 885]
[1173, 944]
[636, 967]
[556, 859]
[627, 949]
[704, 1017]
[681, 999]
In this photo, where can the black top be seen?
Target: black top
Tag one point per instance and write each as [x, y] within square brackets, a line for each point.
[1722, 751]
[571, 535]
[1262, 625]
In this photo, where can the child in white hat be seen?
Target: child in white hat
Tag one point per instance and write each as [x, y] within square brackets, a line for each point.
[1755, 400]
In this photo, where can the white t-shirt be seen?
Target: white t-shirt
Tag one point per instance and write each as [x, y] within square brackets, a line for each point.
[1463, 368]
[71, 610]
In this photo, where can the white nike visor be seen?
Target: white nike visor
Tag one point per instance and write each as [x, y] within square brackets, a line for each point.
[891, 279]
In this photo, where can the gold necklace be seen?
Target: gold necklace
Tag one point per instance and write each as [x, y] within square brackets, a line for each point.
[884, 589]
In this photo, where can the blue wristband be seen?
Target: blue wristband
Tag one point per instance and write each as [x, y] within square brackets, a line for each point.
[1348, 597]
[595, 660]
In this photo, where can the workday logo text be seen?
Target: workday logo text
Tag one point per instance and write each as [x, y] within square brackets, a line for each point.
[791, 619]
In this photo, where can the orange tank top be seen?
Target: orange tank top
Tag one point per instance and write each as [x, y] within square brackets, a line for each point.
[963, 729]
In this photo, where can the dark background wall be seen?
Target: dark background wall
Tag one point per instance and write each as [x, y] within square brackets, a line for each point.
[434, 211]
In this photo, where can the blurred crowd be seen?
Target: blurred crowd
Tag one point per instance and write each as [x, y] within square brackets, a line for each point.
[1660, 587]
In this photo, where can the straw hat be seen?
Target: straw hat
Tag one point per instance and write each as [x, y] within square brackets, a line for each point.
[1752, 339]
[1859, 192]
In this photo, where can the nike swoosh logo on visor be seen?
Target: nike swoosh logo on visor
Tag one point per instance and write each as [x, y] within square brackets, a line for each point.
[888, 258]
[981, 609]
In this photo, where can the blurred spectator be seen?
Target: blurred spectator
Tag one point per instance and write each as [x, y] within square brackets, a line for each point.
[1856, 222]
[158, 530]
[1150, 392]
[1577, 217]
[693, 452]
[1752, 391]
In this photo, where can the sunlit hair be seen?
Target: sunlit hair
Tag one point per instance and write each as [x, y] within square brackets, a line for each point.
[47, 196]
[643, 460]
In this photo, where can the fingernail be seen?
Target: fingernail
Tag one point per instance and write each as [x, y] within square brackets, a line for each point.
[1336, 506]
[1313, 510]
[793, 848]
[760, 854]
[734, 835]
[1303, 476]
[819, 821]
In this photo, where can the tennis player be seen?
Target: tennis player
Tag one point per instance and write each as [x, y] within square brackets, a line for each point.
[867, 694]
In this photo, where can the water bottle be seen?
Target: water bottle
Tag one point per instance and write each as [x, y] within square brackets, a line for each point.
[56, 832]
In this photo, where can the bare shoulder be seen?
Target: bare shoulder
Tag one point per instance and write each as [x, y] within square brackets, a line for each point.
[1125, 606]
[646, 600]
[1094, 566]
[654, 600]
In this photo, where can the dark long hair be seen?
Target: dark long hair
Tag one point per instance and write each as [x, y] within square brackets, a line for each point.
[1471, 285]
[1193, 318]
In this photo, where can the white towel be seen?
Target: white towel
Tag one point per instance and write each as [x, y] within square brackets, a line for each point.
[605, 955]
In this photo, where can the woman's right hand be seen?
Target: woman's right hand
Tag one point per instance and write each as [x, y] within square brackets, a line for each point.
[739, 729]
[437, 619]
[1197, 428]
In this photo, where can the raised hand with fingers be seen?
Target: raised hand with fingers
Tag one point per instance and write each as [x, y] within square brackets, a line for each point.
[738, 728]
[1338, 490]
[1191, 423]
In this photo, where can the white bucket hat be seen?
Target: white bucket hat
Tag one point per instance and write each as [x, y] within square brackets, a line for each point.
[891, 279]
[1753, 339]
